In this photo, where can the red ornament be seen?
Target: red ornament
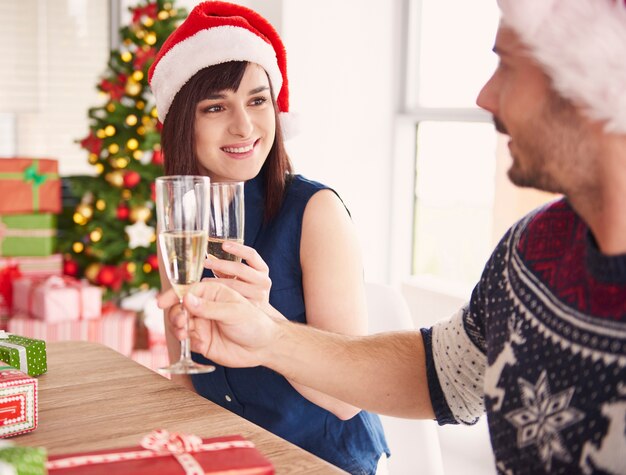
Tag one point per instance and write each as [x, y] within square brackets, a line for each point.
[91, 143]
[131, 179]
[106, 276]
[142, 56]
[153, 261]
[116, 87]
[157, 157]
[122, 212]
[70, 268]
[153, 191]
[149, 10]
[124, 273]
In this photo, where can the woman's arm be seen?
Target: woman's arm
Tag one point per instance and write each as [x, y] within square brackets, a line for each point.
[332, 279]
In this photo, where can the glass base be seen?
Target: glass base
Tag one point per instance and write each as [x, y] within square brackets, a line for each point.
[187, 367]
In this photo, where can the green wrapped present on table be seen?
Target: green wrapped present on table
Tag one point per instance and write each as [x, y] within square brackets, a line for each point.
[26, 354]
[28, 234]
[22, 460]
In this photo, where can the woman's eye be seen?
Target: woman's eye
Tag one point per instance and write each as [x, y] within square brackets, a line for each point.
[213, 108]
[257, 101]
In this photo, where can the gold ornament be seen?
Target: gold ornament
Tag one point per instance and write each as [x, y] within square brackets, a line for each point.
[95, 235]
[150, 38]
[92, 271]
[126, 194]
[101, 205]
[121, 162]
[131, 267]
[137, 154]
[148, 22]
[85, 210]
[132, 87]
[140, 213]
[153, 238]
[115, 178]
[137, 76]
[163, 15]
[140, 105]
[131, 120]
[78, 247]
[167, 5]
[132, 144]
[141, 130]
[99, 168]
[140, 34]
[154, 112]
[126, 56]
[173, 12]
[100, 133]
[114, 148]
[110, 107]
[147, 268]
[93, 158]
[109, 131]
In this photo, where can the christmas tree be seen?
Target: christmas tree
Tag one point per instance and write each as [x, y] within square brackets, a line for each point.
[109, 236]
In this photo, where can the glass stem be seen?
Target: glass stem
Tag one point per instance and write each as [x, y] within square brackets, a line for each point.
[185, 346]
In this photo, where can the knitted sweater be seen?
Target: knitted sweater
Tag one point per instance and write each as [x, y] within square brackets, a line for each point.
[541, 347]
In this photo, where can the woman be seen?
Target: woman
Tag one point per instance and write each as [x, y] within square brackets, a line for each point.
[221, 90]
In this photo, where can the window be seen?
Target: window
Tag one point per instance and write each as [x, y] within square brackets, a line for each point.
[54, 52]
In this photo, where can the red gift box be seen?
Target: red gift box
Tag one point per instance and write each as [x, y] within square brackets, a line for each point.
[115, 329]
[164, 453]
[29, 186]
[18, 401]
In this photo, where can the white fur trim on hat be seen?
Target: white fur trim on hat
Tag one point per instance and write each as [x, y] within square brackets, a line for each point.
[228, 43]
[582, 46]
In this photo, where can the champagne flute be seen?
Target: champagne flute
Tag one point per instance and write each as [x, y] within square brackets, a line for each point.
[182, 203]
[227, 218]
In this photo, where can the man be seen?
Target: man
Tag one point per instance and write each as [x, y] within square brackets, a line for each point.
[541, 346]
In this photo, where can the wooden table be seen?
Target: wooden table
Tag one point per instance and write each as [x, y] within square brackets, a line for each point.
[95, 398]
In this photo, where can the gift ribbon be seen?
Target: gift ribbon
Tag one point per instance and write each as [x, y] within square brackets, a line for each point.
[20, 349]
[156, 444]
[30, 174]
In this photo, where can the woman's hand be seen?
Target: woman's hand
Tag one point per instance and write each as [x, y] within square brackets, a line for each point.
[250, 279]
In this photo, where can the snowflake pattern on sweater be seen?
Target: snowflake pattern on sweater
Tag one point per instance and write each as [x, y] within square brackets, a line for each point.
[549, 317]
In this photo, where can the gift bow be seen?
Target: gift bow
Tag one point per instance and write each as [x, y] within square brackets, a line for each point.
[21, 350]
[31, 174]
[157, 443]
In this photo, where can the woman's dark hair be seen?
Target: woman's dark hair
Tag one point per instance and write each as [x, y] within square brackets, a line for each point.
[177, 137]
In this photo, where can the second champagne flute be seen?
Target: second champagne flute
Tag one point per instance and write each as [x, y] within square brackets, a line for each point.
[182, 204]
[227, 218]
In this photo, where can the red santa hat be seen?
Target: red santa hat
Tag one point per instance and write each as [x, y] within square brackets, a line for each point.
[581, 45]
[214, 33]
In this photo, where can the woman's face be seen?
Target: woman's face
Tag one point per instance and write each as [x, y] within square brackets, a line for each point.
[234, 130]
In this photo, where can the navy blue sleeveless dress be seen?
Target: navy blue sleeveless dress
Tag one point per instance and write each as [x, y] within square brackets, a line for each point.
[265, 397]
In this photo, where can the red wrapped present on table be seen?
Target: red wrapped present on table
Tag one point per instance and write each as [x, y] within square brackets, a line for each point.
[29, 186]
[116, 329]
[33, 266]
[8, 273]
[57, 299]
[18, 401]
[168, 454]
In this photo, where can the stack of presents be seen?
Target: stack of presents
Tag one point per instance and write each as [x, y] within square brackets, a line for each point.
[39, 305]
[36, 299]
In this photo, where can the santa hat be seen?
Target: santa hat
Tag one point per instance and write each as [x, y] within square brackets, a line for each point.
[214, 33]
[581, 45]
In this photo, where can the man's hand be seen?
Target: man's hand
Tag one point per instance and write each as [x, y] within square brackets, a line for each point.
[223, 325]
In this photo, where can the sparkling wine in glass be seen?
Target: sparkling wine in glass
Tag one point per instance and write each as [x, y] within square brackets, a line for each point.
[183, 211]
[227, 218]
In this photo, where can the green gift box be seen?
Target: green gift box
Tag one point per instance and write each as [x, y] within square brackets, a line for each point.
[23, 460]
[26, 354]
[28, 234]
